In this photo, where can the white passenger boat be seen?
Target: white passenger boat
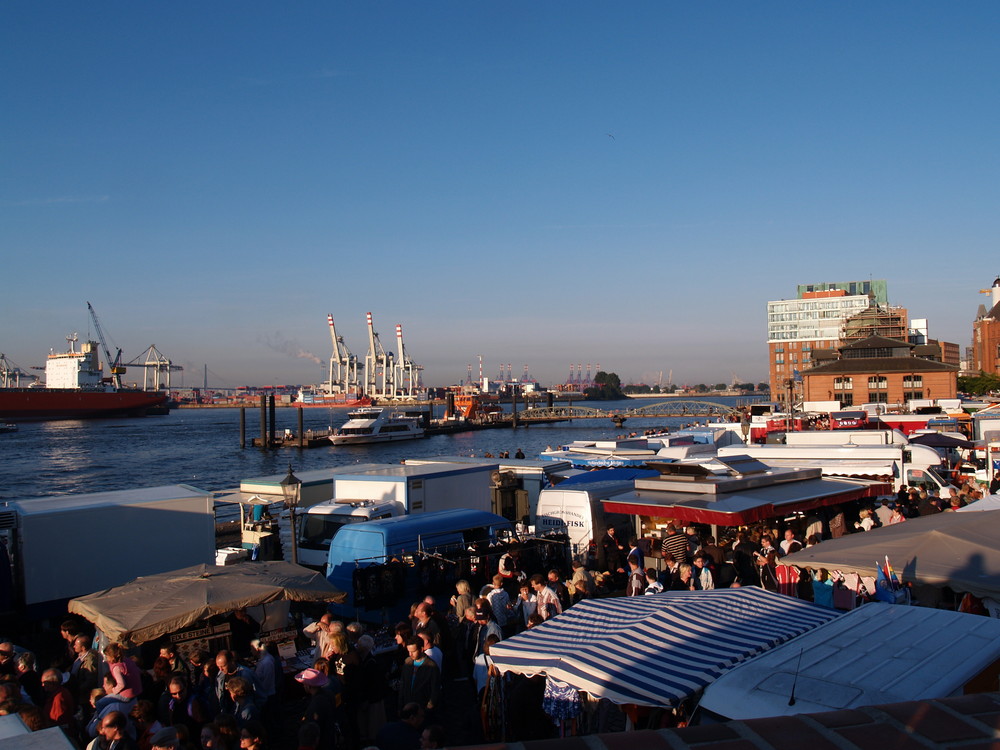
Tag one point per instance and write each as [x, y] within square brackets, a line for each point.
[375, 424]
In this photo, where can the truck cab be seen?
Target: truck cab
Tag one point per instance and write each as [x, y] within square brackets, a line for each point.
[321, 523]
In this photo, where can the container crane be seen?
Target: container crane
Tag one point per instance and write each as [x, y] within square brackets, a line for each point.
[114, 365]
[156, 365]
[343, 376]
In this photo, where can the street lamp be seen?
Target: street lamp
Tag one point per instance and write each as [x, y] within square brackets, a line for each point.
[291, 488]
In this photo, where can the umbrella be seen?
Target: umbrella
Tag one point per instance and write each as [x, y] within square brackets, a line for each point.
[937, 440]
[151, 606]
[960, 550]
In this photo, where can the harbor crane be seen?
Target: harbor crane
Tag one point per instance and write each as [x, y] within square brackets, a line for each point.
[114, 365]
[155, 366]
[11, 374]
[343, 376]
[379, 370]
[405, 375]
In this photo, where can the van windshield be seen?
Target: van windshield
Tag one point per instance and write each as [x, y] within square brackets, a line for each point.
[318, 530]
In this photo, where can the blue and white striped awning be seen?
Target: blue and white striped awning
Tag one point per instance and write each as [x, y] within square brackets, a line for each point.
[657, 650]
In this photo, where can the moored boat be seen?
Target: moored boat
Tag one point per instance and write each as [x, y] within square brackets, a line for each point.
[376, 424]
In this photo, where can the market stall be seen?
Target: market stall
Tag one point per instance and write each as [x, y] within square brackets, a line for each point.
[958, 550]
[656, 650]
[153, 606]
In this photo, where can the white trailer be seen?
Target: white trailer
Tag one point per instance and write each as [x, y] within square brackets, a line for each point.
[70, 545]
[910, 465]
[385, 492]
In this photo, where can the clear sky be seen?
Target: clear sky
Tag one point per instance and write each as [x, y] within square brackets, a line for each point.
[540, 183]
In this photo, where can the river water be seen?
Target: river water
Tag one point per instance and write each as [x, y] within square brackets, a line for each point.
[200, 447]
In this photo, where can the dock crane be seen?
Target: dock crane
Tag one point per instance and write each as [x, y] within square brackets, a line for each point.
[155, 364]
[343, 375]
[114, 365]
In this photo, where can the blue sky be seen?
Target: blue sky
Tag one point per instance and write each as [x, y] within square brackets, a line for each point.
[539, 183]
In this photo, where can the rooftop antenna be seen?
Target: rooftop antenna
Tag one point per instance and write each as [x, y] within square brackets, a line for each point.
[795, 679]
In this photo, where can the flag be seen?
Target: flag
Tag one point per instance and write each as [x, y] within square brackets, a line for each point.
[883, 586]
[891, 575]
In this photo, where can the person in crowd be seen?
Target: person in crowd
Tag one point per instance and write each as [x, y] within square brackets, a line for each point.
[124, 671]
[897, 514]
[822, 586]
[767, 557]
[636, 585]
[321, 708]
[265, 674]
[114, 730]
[547, 603]
[509, 566]
[179, 704]
[653, 583]
[241, 703]
[744, 560]
[372, 690]
[8, 666]
[317, 633]
[166, 739]
[83, 672]
[675, 544]
[685, 579]
[486, 625]
[420, 681]
[614, 553]
[230, 667]
[177, 664]
[462, 599]
[144, 720]
[559, 589]
[253, 736]
[527, 604]
[634, 550]
[430, 650]
[502, 606]
[425, 622]
[432, 737]
[693, 540]
[583, 581]
[704, 578]
[865, 520]
[789, 544]
[715, 553]
[29, 677]
[210, 737]
[59, 705]
[403, 734]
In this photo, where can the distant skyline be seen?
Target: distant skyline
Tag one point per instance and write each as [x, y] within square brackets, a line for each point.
[537, 183]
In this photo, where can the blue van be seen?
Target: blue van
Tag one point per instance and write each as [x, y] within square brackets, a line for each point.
[387, 565]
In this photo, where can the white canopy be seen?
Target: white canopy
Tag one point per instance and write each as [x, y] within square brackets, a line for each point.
[656, 650]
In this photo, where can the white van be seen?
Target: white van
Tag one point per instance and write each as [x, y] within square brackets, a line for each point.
[577, 511]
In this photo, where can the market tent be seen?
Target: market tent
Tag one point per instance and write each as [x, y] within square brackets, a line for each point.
[656, 650]
[937, 440]
[151, 606]
[990, 502]
[960, 550]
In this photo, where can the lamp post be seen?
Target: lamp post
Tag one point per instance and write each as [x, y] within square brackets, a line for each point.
[291, 487]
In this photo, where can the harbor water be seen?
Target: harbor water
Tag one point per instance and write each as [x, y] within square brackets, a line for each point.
[200, 447]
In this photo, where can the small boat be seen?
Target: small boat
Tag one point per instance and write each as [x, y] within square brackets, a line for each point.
[7, 428]
[375, 424]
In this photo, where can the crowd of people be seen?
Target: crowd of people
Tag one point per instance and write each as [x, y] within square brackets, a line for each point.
[402, 696]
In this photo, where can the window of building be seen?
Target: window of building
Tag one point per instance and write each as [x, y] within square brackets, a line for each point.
[913, 381]
[843, 384]
[910, 395]
[878, 397]
[877, 381]
[846, 399]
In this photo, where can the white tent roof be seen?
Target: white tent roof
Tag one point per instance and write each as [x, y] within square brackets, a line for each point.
[877, 654]
[656, 650]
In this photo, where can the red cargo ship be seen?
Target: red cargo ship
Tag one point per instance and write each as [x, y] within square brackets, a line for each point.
[75, 389]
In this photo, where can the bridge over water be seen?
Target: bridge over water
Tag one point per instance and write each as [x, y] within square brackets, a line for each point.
[671, 408]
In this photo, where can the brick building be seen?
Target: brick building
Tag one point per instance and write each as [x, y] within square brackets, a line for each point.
[881, 370]
[986, 335]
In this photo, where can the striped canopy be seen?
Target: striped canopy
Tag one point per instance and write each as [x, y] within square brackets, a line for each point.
[657, 650]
